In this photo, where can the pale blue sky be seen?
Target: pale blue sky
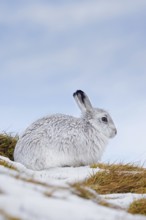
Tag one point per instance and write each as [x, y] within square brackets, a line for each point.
[48, 49]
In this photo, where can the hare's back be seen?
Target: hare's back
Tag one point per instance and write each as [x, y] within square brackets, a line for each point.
[53, 125]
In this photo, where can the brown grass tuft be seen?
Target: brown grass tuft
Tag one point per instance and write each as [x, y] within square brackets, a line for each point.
[138, 207]
[83, 191]
[118, 179]
[7, 145]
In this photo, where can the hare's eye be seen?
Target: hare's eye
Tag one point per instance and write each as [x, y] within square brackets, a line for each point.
[104, 119]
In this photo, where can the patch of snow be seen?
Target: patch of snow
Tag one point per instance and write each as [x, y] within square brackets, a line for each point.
[47, 195]
[122, 199]
[59, 175]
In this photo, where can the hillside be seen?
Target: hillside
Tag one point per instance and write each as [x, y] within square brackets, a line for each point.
[102, 191]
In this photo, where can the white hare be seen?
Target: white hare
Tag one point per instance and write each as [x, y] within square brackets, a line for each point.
[62, 140]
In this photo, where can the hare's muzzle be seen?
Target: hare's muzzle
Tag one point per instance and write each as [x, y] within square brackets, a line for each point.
[113, 133]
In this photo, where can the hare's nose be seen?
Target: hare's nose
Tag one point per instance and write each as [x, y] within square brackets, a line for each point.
[115, 131]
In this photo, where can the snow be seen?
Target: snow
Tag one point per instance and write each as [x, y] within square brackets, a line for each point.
[123, 200]
[47, 195]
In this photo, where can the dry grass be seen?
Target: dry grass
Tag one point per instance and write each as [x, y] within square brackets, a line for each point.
[7, 216]
[7, 145]
[7, 165]
[83, 192]
[119, 167]
[87, 193]
[138, 207]
[119, 178]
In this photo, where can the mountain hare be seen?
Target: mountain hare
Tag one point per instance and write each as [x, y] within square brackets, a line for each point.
[62, 140]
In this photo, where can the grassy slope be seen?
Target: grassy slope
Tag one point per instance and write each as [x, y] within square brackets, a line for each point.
[113, 178]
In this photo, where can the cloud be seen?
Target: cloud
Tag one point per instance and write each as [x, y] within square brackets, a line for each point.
[68, 16]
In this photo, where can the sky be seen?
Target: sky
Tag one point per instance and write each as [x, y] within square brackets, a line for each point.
[49, 49]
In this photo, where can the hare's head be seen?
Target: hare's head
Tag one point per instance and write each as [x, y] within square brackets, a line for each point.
[98, 118]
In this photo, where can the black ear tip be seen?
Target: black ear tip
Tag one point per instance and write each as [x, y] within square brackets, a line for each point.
[81, 94]
[78, 92]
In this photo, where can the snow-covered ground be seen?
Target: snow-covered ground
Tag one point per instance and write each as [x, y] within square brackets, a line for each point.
[47, 195]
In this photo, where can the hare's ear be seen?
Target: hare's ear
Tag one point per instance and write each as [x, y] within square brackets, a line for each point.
[82, 100]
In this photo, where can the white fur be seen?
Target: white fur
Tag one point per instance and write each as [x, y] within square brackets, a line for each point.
[62, 140]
